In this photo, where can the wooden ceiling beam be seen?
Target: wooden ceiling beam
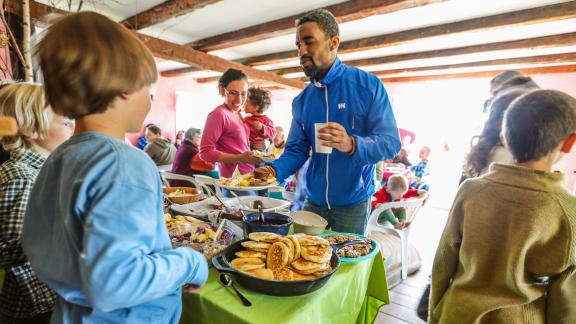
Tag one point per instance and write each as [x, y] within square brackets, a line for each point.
[554, 41]
[164, 11]
[180, 72]
[553, 59]
[344, 12]
[555, 12]
[483, 74]
[183, 54]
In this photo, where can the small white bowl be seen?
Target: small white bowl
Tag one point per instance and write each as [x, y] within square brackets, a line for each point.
[308, 222]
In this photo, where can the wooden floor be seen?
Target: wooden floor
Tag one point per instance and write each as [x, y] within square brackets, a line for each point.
[404, 300]
[425, 234]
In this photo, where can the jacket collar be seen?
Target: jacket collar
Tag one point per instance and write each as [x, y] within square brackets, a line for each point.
[32, 159]
[333, 74]
[526, 178]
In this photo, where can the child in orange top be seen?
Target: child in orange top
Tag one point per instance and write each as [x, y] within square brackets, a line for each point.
[396, 190]
[261, 127]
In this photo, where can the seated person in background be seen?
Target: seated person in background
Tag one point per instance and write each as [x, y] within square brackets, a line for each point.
[94, 230]
[279, 143]
[421, 170]
[159, 148]
[395, 190]
[508, 251]
[261, 127]
[24, 298]
[402, 158]
[179, 138]
[184, 154]
[142, 141]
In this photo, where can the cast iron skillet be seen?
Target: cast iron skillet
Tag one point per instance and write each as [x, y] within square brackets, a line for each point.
[270, 287]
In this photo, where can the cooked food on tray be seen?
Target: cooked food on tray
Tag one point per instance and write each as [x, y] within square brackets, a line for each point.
[351, 251]
[270, 155]
[179, 193]
[271, 256]
[247, 180]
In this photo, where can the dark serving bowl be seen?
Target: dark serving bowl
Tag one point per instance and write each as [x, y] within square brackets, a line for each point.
[271, 287]
[275, 223]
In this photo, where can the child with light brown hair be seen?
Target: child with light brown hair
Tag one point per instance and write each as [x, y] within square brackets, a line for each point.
[40, 131]
[95, 230]
[396, 189]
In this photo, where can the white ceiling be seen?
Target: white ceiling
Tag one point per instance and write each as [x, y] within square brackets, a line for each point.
[230, 15]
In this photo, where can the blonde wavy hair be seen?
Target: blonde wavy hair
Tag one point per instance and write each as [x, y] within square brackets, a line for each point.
[27, 104]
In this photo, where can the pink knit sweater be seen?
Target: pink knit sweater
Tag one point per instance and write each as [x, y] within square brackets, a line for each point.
[223, 133]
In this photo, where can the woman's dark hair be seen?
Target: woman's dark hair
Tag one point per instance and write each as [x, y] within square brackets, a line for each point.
[229, 76]
[260, 97]
[538, 122]
[155, 129]
[479, 155]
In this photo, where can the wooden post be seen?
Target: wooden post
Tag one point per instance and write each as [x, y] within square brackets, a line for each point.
[29, 77]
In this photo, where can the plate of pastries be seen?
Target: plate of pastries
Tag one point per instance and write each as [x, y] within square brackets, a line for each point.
[288, 264]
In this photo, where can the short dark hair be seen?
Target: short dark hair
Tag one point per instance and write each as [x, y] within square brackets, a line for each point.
[155, 129]
[231, 75]
[537, 122]
[325, 20]
[504, 76]
[260, 97]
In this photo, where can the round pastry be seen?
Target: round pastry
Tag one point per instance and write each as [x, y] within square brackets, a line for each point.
[251, 254]
[253, 245]
[264, 237]
[323, 272]
[283, 274]
[262, 273]
[296, 244]
[308, 240]
[316, 253]
[298, 276]
[278, 255]
[308, 267]
[247, 264]
[290, 246]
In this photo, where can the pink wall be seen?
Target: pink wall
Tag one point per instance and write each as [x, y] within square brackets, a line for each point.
[163, 112]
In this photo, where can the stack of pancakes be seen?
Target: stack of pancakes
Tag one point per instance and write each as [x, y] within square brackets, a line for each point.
[293, 257]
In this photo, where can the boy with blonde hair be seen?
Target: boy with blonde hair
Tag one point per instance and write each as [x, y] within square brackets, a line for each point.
[95, 230]
[40, 131]
[396, 189]
[508, 252]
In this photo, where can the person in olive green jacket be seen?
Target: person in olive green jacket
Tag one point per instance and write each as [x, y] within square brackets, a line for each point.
[160, 149]
[508, 252]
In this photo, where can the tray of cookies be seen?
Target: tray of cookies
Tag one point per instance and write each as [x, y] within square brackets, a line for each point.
[361, 247]
[279, 265]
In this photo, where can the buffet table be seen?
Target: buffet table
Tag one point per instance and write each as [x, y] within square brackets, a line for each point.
[354, 294]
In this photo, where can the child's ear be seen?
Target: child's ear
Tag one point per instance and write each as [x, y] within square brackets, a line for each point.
[568, 143]
[30, 135]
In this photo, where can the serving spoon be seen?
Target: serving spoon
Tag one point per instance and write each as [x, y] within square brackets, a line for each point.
[226, 280]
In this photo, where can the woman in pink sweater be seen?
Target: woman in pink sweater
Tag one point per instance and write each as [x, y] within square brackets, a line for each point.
[225, 137]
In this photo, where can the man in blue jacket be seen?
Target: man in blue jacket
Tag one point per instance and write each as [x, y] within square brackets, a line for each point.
[360, 128]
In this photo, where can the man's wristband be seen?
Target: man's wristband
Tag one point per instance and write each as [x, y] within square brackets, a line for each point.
[353, 146]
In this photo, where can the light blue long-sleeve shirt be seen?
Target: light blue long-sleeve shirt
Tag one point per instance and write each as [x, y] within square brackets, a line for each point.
[94, 232]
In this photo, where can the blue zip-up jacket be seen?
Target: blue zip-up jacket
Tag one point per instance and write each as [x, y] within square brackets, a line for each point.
[358, 101]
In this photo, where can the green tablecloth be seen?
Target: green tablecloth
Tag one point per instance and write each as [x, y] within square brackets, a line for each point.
[354, 294]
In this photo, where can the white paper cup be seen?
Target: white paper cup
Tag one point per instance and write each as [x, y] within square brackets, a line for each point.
[323, 149]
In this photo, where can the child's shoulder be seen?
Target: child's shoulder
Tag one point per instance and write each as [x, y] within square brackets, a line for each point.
[111, 159]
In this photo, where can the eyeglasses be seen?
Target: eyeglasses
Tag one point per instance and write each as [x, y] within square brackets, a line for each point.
[235, 94]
